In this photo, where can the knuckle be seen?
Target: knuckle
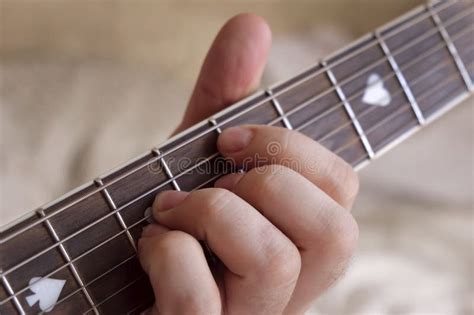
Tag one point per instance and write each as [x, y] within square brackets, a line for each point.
[346, 182]
[282, 262]
[266, 174]
[351, 182]
[267, 178]
[152, 248]
[169, 242]
[343, 239]
[172, 239]
[211, 201]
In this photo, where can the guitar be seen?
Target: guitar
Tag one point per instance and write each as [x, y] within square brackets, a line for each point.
[78, 254]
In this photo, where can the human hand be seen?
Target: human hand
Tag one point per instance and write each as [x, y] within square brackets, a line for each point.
[282, 231]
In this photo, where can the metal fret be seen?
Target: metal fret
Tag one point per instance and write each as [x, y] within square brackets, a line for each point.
[451, 48]
[349, 111]
[113, 206]
[279, 109]
[66, 256]
[10, 291]
[213, 123]
[156, 152]
[401, 79]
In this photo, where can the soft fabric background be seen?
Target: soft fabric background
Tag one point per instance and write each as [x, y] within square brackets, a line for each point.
[86, 85]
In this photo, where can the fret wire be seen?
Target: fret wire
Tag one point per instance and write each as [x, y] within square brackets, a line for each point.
[118, 216]
[13, 295]
[134, 200]
[213, 122]
[164, 165]
[302, 80]
[339, 149]
[107, 215]
[66, 256]
[452, 48]
[350, 112]
[401, 79]
[279, 109]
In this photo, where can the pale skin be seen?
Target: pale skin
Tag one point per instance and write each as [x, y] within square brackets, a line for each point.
[283, 233]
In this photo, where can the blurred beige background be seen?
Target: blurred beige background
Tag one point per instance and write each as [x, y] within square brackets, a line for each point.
[86, 85]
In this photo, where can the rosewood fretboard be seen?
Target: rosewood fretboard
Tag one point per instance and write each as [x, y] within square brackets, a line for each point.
[357, 103]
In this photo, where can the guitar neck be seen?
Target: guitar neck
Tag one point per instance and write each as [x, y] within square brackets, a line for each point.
[79, 253]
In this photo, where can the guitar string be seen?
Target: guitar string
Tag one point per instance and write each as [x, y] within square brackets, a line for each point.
[424, 95]
[434, 49]
[117, 292]
[126, 206]
[144, 305]
[210, 180]
[425, 15]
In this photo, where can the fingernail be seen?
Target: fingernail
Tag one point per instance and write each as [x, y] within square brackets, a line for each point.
[234, 139]
[153, 230]
[228, 181]
[168, 199]
[148, 214]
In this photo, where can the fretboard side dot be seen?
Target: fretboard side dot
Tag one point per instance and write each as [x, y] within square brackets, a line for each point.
[156, 152]
[110, 202]
[401, 79]
[451, 48]
[279, 109]
[66, 256]
[349, 111]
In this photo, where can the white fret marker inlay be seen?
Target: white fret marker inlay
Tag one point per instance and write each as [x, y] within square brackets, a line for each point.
[46, 291]
[375, 93]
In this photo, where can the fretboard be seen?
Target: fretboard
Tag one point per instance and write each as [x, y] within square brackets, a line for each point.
[80, 250]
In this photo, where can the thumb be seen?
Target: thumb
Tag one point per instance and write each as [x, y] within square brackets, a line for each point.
[232, 69]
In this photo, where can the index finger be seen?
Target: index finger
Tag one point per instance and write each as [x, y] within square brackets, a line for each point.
[253, 145]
